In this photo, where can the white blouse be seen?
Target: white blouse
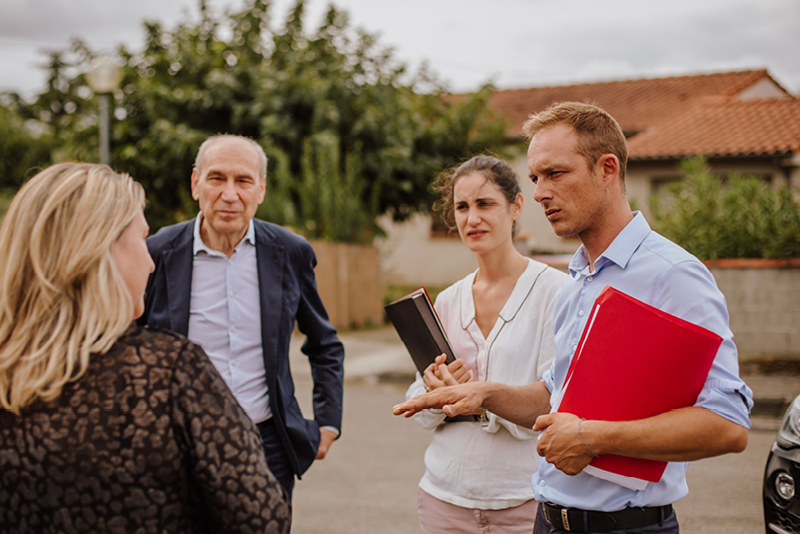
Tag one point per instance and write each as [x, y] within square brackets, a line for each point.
[489, 467]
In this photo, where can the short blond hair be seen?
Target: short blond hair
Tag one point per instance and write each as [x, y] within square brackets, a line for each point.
[61, 295]
[598, 133]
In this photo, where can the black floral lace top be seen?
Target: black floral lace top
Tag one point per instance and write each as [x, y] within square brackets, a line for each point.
[150, 439]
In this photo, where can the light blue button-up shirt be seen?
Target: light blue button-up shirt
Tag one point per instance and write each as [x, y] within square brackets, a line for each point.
[225, 319]
[653, 269]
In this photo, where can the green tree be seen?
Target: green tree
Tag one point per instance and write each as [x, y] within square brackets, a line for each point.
[349, 133]
[741, 218]
[24, 146]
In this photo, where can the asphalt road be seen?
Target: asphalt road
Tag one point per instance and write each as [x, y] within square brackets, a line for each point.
[368, 482]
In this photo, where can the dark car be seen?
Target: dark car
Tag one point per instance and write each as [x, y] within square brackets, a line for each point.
[781, 500]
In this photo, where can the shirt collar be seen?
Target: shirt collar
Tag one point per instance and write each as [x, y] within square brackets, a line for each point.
[520, 293]
[619, 251]
[522, 289]
[199, 245]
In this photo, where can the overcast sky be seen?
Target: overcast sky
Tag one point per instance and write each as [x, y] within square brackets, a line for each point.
[513, 43]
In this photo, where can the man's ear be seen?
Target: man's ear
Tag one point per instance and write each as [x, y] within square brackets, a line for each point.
[195, 179]
[263, 187]
[609, 165]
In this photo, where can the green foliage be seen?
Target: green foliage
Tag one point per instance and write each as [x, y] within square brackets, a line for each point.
[5, 201]
[348, 132]
[22, 152]
[743, 218]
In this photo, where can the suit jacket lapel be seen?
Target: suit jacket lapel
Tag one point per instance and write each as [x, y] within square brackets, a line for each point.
[270, 259]
[178, 265]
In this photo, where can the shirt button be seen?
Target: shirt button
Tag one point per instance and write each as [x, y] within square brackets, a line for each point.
[574, 348]
[234, 363]
[589, 278]
[541, 482]
[581, 313]
[232, 293]
[233, 329]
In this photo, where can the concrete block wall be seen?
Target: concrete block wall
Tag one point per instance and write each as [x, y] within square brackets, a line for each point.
[763, 299]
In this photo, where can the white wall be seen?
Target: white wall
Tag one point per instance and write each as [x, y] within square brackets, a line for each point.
[764, 308]
[409, 255]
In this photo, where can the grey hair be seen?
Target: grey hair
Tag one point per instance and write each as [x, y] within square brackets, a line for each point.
[262, 157]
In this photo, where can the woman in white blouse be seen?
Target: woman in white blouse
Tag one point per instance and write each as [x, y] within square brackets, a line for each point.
[498, 320]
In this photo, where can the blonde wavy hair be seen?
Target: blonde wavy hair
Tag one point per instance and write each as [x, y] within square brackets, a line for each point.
[61, 295]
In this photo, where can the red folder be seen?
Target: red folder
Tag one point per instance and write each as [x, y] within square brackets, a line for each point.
[635, 361]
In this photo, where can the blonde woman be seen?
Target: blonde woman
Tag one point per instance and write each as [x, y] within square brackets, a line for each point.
[498, 319]
[105, 426]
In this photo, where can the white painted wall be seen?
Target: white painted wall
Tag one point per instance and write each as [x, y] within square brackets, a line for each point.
[409, 255]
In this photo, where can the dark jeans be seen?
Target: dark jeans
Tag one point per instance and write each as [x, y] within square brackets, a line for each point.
[669, 526]
[277, 460]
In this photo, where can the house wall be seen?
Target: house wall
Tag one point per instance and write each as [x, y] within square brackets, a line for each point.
[764, 306]
[794, 172]
[761, 89]
[410, 255]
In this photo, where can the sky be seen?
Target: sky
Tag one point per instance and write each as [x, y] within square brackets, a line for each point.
[510, 43]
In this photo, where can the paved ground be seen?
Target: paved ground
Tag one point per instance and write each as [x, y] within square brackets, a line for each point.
[368, 482]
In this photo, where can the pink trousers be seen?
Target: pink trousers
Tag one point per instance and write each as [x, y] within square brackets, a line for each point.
[439, 517]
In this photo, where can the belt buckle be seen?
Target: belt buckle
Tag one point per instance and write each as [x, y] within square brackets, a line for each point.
[565, 519]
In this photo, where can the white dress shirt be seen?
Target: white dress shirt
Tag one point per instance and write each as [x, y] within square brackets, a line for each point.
[225, 319]
[489, 467]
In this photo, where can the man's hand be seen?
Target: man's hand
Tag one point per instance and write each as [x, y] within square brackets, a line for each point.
[560, 444]
[438, 374]
[519, 404]
[453, 400]
[326, 437]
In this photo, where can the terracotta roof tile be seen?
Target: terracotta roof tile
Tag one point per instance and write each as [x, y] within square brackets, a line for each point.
[636, 104]
[728, 128]
[678, 116]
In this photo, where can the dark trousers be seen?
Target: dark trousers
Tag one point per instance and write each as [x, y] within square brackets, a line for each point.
[668, 526]
[277, 460]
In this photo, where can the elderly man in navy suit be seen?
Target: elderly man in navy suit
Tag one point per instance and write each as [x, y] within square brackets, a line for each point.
[236, 285]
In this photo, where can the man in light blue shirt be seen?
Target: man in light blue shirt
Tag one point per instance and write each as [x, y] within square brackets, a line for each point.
[577, 159]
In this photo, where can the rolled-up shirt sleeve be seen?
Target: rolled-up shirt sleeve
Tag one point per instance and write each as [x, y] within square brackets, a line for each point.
[689, 291]
[549, 379]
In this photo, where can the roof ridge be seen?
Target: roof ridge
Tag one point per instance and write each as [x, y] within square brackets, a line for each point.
[754, 75]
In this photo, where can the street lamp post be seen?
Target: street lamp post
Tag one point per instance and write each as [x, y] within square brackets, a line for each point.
[103, 77]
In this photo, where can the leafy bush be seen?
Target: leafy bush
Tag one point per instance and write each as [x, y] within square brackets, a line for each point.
[741, 218]
[349, 133]
[23, 153]
[5, 201]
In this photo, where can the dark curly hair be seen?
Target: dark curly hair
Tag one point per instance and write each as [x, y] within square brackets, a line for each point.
[495, 170]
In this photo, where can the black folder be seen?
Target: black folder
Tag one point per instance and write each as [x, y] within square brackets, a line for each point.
[419, 328]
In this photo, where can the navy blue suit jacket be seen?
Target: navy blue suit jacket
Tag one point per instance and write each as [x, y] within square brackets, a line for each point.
[288, 292]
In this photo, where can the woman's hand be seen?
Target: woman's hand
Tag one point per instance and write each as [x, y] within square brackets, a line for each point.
[438, 374]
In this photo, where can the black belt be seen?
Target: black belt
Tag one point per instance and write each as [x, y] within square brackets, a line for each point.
[265, 425]
[576, 520]
[463, 419]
